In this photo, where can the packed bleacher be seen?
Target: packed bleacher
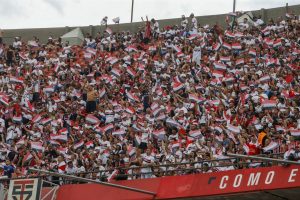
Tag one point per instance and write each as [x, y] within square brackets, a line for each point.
[186, 93]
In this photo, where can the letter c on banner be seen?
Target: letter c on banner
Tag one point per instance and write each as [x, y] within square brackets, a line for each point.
[222, 184]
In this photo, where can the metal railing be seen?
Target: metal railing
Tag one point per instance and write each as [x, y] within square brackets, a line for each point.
[160, 170]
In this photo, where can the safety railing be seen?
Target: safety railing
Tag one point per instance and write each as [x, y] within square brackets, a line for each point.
[159, 170]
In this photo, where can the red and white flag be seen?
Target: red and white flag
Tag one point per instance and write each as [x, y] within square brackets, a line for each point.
[269, 104]
[229, 34]
[102, 92]
[265, 79]
[116, 72]
[37, 145]
[295, 132]
[17, 119]
[271, 146]
[227, 45]
[48, 89]
[46, 121]
[78, 145]
[92, 119]
[36, 118]
[108, 127]
[119, 132]
[132, 97]
[109, 31]
[218, 74]
[252, 52]
[62, 167]
[172, 122]
[233, 128]
[89, 144]
[59, 137]
[195, 133]
[27, 157]
[177, 86]
[130, 71]
[159, 133]
[220, 66]
[236, 46]
[240, 61]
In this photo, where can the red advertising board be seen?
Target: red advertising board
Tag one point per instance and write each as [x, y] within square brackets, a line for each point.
[227, 182]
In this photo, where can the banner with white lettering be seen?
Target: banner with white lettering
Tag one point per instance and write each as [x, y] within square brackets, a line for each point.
[229, 182]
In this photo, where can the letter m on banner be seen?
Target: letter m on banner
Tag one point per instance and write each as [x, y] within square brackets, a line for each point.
[24, 189]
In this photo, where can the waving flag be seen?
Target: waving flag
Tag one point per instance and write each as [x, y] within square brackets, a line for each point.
[238, 34]
[220, 66]
[195, 133]
[78, 145]
[16, 80]
[131, 48]
[46, 121]
[130, 71]
[17, 119]
[116, 72]
[27, 157]
[271, 146]
[132, 97]
[269, 104]
[160, 134]
[239, 61]
[130, 110]
[229, 34]
[295, 132]
[109, 31]
[48, 89]
[226, 45]
[92, 119]
[177, 86]
[36, 118]
[89, 144]
[102, 92]
[225, 58]
[265, 79]
[252, 52]
[233, 128]
[236, 46]
[172, 122]
[59, 137]
[63, 131]
[216, 46]
[4, 99]
[118, 132]
[91, 50]
[37, 145]
[218, 74]
[62, 150]
[108, 127]
[277, 43]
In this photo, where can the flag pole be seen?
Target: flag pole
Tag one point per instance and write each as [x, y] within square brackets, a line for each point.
[263, 158]
[132, 4]
[233, 11]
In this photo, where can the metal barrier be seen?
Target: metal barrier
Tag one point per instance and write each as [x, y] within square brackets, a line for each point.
[171, 169]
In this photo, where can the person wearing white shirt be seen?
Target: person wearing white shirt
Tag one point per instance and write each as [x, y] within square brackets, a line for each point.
[155, 28]
[148, 160]
[194, 24]
[184, 22]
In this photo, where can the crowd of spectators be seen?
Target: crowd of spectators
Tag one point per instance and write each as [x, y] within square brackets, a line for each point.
[183, 94]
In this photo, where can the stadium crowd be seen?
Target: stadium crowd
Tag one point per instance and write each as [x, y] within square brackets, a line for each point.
[177, 94]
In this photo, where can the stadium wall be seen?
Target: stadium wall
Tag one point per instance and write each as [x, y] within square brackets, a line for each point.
[44, 33]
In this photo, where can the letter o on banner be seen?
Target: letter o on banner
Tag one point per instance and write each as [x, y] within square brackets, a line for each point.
[237, 180]
[269, 177]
